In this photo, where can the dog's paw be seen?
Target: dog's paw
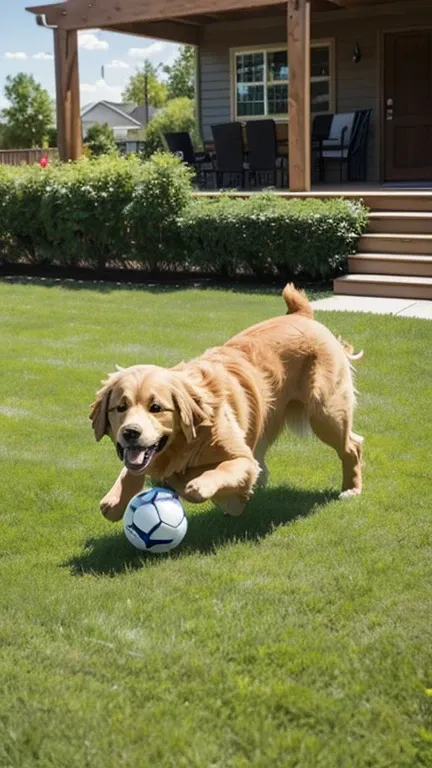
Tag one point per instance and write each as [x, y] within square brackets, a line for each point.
[231, 506]
[200, 489]
[351, 493]
[111, 507]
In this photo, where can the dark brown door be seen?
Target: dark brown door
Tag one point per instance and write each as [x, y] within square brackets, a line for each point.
[408, 106]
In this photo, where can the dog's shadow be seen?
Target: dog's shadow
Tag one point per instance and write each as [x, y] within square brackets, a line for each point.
[208, 530]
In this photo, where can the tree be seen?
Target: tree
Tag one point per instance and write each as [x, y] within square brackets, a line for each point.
[30, 114]
[145, 80]
[181, 74]
[178, 115]
[100, 140]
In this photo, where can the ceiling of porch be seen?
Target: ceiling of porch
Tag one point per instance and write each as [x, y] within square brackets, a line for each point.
[181, 19]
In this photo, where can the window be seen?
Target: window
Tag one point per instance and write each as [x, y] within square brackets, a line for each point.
[262, 82]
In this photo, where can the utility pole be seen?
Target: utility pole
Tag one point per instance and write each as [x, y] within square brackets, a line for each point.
[146, 100]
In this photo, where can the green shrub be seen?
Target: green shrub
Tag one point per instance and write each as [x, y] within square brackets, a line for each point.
[267, 235]
[82, 210]
[21, 193]
[163, 194]
[100, 140]
[178, 115]
[112, 210]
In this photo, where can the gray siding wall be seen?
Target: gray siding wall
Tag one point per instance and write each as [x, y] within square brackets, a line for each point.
[357, 86]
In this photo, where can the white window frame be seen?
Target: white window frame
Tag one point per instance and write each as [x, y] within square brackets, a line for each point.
[317, 43]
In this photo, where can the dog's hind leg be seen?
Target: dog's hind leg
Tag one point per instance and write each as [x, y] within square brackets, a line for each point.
[333, 427]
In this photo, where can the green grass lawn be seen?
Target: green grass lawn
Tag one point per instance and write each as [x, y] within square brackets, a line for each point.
[298, 635]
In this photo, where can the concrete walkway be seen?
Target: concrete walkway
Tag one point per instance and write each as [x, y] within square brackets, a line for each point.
[399, 307]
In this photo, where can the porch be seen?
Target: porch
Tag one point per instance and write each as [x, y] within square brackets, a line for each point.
[290, 61]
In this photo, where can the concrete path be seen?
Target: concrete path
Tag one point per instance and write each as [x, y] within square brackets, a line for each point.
[399, 307]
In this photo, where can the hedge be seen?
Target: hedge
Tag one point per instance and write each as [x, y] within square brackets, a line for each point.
[125, 212]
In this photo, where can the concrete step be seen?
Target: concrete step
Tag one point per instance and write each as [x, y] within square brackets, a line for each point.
[391, 264]
[413, 201]
[401, 222]
[391, 286]
[399, 243]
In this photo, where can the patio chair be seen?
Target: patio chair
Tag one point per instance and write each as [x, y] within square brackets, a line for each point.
[262, 156]
[179, 143]
[321, 126]
[230, 154]
[347, 144]
[357, 155]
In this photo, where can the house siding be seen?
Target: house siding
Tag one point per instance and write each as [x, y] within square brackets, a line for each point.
[357, 86]
[102, 114]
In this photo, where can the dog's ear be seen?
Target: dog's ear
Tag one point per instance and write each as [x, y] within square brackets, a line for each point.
[193, 406]
[99, 409]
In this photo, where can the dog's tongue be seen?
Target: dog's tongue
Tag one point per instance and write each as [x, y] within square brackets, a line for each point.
[135, 456]
[139, 457]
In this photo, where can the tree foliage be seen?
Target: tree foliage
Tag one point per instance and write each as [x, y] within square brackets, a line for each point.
[30, 113]
[136, 88]
[181, 74]
[100, 140]
[177, 115]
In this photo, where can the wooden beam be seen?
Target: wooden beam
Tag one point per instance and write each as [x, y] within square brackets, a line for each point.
[190, 22]
[160, 30]
[69, 135]
[81, 14]
[299, 131]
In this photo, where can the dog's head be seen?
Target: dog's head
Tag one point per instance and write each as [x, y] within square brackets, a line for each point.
[143, 409]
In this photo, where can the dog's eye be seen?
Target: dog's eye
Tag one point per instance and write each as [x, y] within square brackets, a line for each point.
[155, 408]
[122, 408]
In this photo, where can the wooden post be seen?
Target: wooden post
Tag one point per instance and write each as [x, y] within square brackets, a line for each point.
[69, 136]
[299, 131]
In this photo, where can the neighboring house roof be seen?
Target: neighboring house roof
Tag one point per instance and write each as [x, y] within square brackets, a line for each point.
[134, 115]
[139, 113]
[128, 120]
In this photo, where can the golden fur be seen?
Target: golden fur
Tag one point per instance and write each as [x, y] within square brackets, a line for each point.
[203, 427]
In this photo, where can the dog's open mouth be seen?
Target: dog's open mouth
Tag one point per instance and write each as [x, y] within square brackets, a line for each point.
[136, 459]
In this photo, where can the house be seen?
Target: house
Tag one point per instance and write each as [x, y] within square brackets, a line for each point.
[290, 61]
[125, 119]
[363, 54]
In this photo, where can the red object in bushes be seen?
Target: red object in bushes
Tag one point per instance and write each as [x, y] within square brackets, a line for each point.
[43, 162]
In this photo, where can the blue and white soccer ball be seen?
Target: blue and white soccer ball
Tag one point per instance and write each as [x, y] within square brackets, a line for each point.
[155, 520]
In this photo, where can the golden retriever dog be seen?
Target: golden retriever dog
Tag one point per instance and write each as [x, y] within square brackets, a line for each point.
[203, 428]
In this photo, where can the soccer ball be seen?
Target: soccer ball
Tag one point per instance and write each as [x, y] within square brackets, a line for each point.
[155, 520]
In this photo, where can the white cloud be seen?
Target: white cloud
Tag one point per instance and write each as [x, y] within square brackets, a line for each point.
[43, 56]
[89, 41]
[20, 55]
[118, 64]
[101, 90]
[149, 52]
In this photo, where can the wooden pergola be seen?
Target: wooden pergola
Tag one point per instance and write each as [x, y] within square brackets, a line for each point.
[181, 21]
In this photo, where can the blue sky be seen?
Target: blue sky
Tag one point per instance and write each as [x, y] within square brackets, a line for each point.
[25, 47]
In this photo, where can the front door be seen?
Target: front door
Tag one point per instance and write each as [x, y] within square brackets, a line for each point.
[408, 106]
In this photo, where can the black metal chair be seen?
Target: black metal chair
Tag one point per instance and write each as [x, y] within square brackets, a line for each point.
[321, 125]
[263, 159]
[357, 154]
[179, 143]
[350, 147]
[230, 154]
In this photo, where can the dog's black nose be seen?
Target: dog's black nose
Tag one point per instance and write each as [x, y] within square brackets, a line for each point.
[131, 433]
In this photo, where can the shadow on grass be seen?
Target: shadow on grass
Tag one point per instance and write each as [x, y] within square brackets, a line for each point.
[162, 284]
[208, 530]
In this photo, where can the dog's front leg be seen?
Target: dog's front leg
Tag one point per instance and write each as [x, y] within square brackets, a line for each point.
[114, 504]
[235, 477]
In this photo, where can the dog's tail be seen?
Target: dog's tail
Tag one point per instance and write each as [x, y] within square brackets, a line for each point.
[296, 301]
[349, 351]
